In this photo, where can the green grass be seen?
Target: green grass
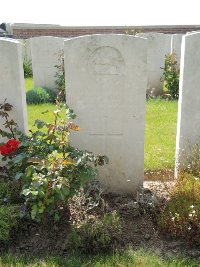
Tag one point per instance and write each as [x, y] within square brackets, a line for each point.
[160, 134]
[160, 129]
[36, 112]
[129, 258]
[29, 84]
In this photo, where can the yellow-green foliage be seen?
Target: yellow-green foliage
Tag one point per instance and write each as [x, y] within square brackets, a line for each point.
[9, 216]
[181, 216]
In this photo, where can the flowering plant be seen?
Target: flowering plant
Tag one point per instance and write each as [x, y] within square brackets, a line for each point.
[50, 170]
[9, 147]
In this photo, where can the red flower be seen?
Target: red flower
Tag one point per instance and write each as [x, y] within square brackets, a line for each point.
[4, 151]
[13, 143]
[9, 147]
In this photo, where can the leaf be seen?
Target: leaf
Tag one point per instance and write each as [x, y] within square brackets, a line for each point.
[34, 192]
[18, 175]
[7, 107]
[65, 190]
[53, 156]
[57, 111]
[26, 192]
[39, 124]
[35, 160]
[41, 209]
[46, 111]
[56, 217]
[41, 193]
[58, 187]
[39, 133]
[51, 127]
[70, 114]
[2, 114]
[73, 126]
[69, 162]
[33, 212]
[18, 158]
[29, 171]
[51, 137]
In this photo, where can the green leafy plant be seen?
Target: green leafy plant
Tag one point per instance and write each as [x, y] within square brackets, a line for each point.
[49, 169]
[60, 77]
[27, 66]
[96, 234]
[40, 95]
[171, 75]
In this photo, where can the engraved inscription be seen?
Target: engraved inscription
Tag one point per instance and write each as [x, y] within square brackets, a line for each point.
[106, 60]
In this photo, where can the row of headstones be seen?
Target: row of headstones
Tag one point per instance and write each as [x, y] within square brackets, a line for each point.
[107, 78]
[44, 53]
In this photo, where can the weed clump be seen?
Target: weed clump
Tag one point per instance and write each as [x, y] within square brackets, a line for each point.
[181, 215]
[96, 234]
[9, 215]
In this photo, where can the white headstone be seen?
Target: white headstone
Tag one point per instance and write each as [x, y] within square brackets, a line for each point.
[159, 45]
[106, 87]
[12, 82]
[45, 52]
[188, 127]
[26, 49]
[176, 45]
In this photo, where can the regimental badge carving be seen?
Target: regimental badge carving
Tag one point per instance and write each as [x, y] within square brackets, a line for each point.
[105, 61]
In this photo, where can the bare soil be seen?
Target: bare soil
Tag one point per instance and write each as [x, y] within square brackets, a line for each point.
[138, 222]
[137, 218]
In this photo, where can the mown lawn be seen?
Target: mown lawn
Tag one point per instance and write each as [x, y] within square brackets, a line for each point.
[39, 112]
[160, 134]
[128, 258]
[29, 84]
[160, 130]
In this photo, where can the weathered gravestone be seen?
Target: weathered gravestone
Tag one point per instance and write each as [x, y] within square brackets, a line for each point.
[26, 50]
[188, 127]
[106, 87]
[159, 45]
[176, 46]
[12, 82]
[45, 53]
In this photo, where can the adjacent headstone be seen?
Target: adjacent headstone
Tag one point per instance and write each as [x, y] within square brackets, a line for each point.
[106, 86]
[45, 52]
[176, 45]
[188, 127]
[26, 50]
[12, 82]
[159, 45]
